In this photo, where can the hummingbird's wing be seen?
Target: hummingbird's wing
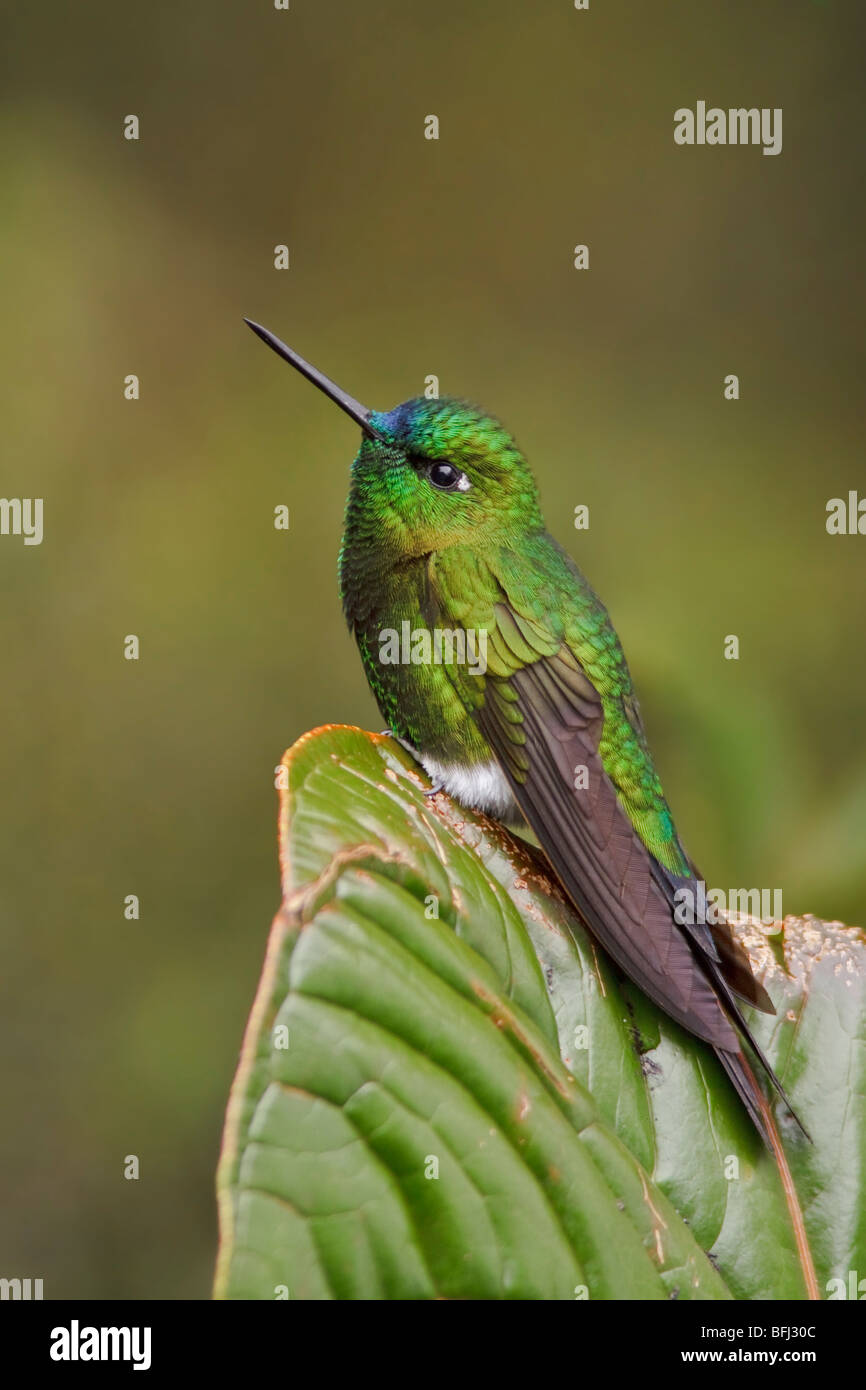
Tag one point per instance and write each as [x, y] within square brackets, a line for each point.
[717, 940]
[544, 719]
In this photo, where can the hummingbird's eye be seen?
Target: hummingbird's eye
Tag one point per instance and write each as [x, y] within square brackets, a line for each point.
[448, 478]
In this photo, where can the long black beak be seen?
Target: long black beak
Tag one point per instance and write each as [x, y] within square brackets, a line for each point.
[359, 413]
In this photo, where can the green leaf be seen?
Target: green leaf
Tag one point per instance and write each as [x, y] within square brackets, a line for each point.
[446, 1090]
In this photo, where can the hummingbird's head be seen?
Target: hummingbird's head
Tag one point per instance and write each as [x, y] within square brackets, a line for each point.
[429, 473]
[442, 472]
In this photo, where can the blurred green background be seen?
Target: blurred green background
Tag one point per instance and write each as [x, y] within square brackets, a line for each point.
[408, 257]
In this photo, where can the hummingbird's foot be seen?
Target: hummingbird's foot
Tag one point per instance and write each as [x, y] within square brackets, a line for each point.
[413, 753]
[403, 742]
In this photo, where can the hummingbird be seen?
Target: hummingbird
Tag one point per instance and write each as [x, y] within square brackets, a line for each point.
[444, 532]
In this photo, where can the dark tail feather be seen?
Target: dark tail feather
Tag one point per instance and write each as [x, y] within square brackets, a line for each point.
[749, 1091]
[742, 1079]
[733, 1062]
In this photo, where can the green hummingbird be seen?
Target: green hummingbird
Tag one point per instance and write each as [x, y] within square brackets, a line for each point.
[444, 534]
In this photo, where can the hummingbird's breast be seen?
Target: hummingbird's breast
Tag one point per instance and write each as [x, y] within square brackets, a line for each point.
[410, 656]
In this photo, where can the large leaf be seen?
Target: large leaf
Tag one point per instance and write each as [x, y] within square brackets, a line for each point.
[446, 1090]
